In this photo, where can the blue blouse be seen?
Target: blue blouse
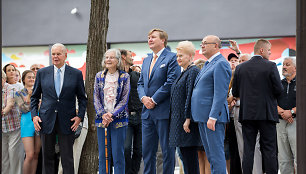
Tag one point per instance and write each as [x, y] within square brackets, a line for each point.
[120, 112]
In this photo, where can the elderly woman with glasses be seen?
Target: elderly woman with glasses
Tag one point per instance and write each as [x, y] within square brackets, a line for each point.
[111, 93]
[184, 132]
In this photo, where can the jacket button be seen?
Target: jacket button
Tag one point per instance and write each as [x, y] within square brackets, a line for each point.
[55, 111]
[57, 100]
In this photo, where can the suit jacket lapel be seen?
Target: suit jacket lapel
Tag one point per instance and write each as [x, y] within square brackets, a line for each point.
[67, 74]
[205, 68]
[150, 57]
[51, 76]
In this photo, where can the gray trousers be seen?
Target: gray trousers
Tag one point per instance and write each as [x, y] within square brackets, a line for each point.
[257, 169]
[12, 153]
[286, 142]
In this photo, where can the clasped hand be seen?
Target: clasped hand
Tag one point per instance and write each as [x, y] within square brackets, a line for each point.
[286, 115]
[148, 102]
[107, 119]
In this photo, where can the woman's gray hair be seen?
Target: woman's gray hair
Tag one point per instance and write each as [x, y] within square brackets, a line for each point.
[117, 55]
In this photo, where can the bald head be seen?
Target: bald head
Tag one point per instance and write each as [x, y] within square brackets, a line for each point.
[244, 58]
[215, 39]
[211, 44]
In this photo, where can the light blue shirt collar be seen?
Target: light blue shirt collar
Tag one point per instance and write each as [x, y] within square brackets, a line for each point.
[62, 68]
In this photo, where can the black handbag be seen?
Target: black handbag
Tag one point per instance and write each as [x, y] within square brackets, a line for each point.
[78, 131]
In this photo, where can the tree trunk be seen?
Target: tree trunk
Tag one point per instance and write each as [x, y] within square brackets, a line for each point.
[301, 84]
[96, 47]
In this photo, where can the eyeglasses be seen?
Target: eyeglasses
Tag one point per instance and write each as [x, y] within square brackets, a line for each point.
[33, 69]
[206, 43]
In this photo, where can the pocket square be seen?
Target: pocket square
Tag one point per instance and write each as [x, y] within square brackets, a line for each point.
[163, 65]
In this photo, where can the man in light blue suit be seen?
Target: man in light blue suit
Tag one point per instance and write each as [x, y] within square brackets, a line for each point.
[209, 104]
[159, 70]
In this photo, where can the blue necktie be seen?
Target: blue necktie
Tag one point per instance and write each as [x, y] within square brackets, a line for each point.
[57, 82]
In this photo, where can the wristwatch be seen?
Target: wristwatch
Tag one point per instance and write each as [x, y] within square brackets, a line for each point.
[292, 111]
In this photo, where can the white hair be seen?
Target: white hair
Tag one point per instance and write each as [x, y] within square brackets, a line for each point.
[117, 55]
[292, 59]
[247, 55]
[61, 46]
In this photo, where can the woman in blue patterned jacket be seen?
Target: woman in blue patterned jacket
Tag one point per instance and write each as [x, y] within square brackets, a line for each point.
[111, 94]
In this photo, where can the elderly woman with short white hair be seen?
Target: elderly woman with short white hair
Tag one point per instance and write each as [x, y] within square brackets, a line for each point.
[184, 133]
[111, 94]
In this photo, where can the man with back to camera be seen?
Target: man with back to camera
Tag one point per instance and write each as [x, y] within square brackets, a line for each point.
[58, 86]
[257, 169]
[159, 70]
[209, 102]
[257, 83]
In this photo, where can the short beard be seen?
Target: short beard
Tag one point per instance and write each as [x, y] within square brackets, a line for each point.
[286, 74]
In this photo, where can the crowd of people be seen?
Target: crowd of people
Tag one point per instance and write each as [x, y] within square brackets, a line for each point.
[220, 116]
[35, 118]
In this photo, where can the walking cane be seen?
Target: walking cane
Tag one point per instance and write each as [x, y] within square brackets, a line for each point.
[106, 151]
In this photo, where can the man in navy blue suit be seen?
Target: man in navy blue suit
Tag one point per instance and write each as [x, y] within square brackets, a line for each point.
[159, 70]
[58, 86]
[208, 102]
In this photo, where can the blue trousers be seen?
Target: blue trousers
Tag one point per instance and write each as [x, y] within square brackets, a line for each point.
[213, 142]
[153, 131]
[115, 147]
